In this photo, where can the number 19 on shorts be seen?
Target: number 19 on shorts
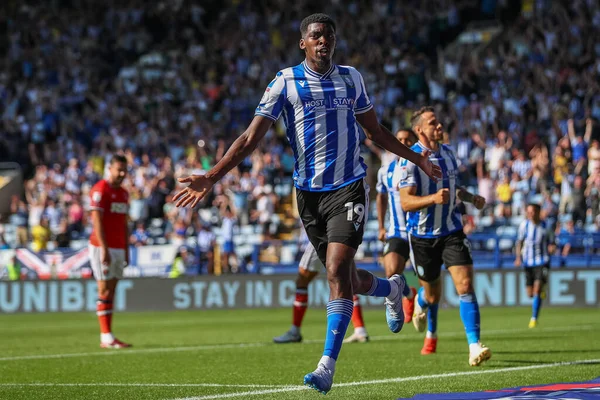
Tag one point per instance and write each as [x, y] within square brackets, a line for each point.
[358, 210]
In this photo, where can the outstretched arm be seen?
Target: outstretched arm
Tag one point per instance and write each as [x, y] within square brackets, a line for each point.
[383, 137]
[243, 146]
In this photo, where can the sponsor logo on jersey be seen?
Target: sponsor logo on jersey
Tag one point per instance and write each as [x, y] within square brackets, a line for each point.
[118, 208]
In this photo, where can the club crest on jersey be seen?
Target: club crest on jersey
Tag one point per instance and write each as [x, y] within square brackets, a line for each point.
[403, 173]
[348, 80]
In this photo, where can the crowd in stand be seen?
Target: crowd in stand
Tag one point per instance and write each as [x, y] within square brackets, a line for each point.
[171, 84]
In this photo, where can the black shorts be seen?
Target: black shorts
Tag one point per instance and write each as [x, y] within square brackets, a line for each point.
[428, 255]
[539, 273]
[337, 216]
[397, 245]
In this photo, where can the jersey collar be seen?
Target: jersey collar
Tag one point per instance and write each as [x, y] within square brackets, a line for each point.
[317, 75]
[431, 150]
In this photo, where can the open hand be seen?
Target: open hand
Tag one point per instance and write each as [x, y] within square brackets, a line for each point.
[431, 170]
[199, 186]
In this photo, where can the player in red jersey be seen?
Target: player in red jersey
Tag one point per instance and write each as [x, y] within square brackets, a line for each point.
[108, 243]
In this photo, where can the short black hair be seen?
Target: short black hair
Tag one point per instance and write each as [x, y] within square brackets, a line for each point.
[318, 18]
[536, 206]
[416, 117]
[118, 158]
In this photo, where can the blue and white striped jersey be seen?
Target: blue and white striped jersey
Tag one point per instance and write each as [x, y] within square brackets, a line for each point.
[388, 179]
[439, 219]
[535, 240]
[319, 114]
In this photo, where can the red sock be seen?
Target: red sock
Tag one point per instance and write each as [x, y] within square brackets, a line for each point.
[300, 306]
[357, 318]
[104, 309]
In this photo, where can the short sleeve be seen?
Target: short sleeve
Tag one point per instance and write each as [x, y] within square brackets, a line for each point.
[362, 103]
[272, 102]
[406, 174]
[381, 188]
[97, 199]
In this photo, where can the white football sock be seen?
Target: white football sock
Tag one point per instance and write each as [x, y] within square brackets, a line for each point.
[393, 292]
[328, 362]
[361, 331]
[107, 337]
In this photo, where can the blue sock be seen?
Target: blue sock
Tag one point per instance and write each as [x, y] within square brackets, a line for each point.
[469, 313]
[406, 290]
[421, 298]
[339, 312]
[537, 304]
[379, 288]
[432, 314]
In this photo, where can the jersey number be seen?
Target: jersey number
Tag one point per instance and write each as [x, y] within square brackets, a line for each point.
[359, 209]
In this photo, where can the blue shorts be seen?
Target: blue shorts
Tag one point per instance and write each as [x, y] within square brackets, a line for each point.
[228, 246]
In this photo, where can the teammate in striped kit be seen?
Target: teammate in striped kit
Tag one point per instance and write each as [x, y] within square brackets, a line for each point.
[436, 235]
[535, 243]
[396, 249]
[322, 105]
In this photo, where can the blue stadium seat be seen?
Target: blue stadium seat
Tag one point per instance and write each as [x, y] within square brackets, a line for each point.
[486, 221]
[516, 220]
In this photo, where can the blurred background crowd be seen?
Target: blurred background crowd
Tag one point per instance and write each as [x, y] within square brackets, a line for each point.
[172, 83]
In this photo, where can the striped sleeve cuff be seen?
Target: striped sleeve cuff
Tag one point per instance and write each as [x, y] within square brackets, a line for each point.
[363, 110]
[271, 117]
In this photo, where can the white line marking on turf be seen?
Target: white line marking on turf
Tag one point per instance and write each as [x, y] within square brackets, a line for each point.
[49, 384]
[263, 344]
[396, 380]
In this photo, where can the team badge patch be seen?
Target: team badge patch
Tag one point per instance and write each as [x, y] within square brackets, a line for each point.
[348, 80]
[403, 173]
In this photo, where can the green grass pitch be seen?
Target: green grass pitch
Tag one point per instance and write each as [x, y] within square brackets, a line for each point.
[229, 354]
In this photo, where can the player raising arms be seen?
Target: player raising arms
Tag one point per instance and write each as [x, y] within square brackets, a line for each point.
[321, 104]
[396, 249]
[108, 243]
[436, 235]
[308, 269]
[535, 243]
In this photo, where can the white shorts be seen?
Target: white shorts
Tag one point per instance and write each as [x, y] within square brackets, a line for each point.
[310, 260]
[107, 272]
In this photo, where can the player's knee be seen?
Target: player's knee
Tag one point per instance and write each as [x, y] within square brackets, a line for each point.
[106, 294]
[464, 286]
[304, 278]
[432, 298]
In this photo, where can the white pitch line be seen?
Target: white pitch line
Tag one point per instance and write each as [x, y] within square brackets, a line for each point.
[396, 380]
[263, 344]
[49, 384]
